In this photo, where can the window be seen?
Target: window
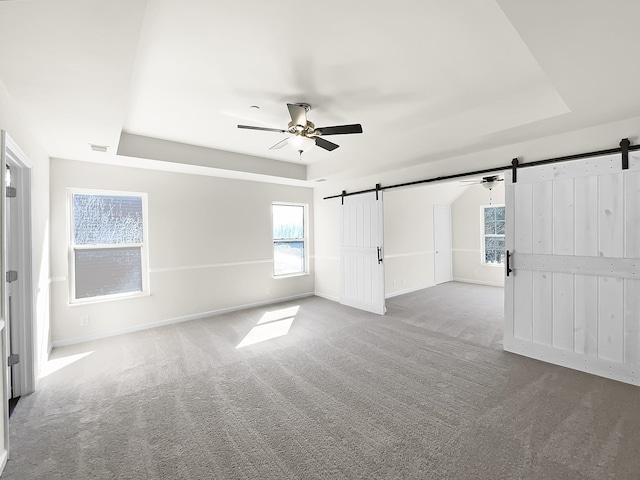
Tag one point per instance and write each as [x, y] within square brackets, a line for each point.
[493, 235]
[108, 245]
[289, 239]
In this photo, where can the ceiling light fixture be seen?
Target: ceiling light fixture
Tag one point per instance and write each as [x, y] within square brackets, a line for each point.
[301, 144]
[489, 184]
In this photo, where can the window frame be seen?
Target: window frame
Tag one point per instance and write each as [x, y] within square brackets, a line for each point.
[304, 239]
[144, 247]
[483, 236]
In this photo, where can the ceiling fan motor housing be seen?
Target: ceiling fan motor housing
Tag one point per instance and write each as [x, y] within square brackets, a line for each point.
[304, 130]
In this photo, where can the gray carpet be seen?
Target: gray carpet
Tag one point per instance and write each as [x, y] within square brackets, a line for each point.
[423, 393]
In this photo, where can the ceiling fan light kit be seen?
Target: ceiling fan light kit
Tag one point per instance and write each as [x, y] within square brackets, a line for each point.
[301, 143]
[304, 134]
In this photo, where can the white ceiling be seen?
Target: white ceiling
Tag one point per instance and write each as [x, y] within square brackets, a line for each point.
[425, 79]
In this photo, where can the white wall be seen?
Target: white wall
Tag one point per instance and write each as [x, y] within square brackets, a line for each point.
[14, 124]
[408, 238]
[210, 247]
[466, 226]
[408, 235]
[327, 240]
[16, 127]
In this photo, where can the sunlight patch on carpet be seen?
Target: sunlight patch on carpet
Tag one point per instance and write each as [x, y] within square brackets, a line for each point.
[56, 364]
[273, 324]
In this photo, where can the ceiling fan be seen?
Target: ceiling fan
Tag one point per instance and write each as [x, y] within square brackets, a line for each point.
[303, 133]
[487, 182]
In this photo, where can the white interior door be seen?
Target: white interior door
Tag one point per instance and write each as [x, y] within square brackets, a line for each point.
[361, 252]
[573, 297]
[442, 243]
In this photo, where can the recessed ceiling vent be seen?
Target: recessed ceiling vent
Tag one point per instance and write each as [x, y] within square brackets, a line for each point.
[99, 148]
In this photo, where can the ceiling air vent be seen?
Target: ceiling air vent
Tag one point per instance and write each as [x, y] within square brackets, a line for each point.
[99, 148]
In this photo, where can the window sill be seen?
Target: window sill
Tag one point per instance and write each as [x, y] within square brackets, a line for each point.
[110, 298]
[289, 275]
[501, 265]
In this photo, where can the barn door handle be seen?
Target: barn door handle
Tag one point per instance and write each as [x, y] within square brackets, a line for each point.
[379, 255]
[509, 269]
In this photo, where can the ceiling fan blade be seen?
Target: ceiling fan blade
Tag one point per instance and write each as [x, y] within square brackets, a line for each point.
[326, 144]
[340, 129]
[280, 144]
[249, 127]
[298, 114]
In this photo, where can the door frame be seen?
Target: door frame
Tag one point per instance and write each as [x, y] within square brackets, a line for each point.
[12, 155]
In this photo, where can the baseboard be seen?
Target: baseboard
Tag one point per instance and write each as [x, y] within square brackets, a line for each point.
[171, 321]
[410, 290]
[478, 282]
[328, 297]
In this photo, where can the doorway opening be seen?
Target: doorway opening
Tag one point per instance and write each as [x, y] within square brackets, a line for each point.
[17, 295]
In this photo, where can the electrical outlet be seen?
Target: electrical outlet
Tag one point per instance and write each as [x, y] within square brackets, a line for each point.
[394, 283]
[268, 291]
[84, 321]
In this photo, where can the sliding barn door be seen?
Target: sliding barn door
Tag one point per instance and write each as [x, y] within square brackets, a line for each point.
[361, 260]
[573, 295]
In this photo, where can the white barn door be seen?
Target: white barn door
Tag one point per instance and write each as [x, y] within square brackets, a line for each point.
[361, 252]
[573, 295]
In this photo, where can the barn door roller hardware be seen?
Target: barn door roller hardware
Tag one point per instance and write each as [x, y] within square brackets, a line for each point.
[624, 148]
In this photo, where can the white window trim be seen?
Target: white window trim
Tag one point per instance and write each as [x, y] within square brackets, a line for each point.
[305, 239]
[482, 237]
[144, 247]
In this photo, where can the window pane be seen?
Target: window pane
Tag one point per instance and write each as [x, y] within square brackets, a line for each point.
[107, 219]
[489, 227]
[492, 256]
[489, 214]
[499, 213]
[500, 227]
[288, 221]
[288, 257]
[494, 249]
[107, 271]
